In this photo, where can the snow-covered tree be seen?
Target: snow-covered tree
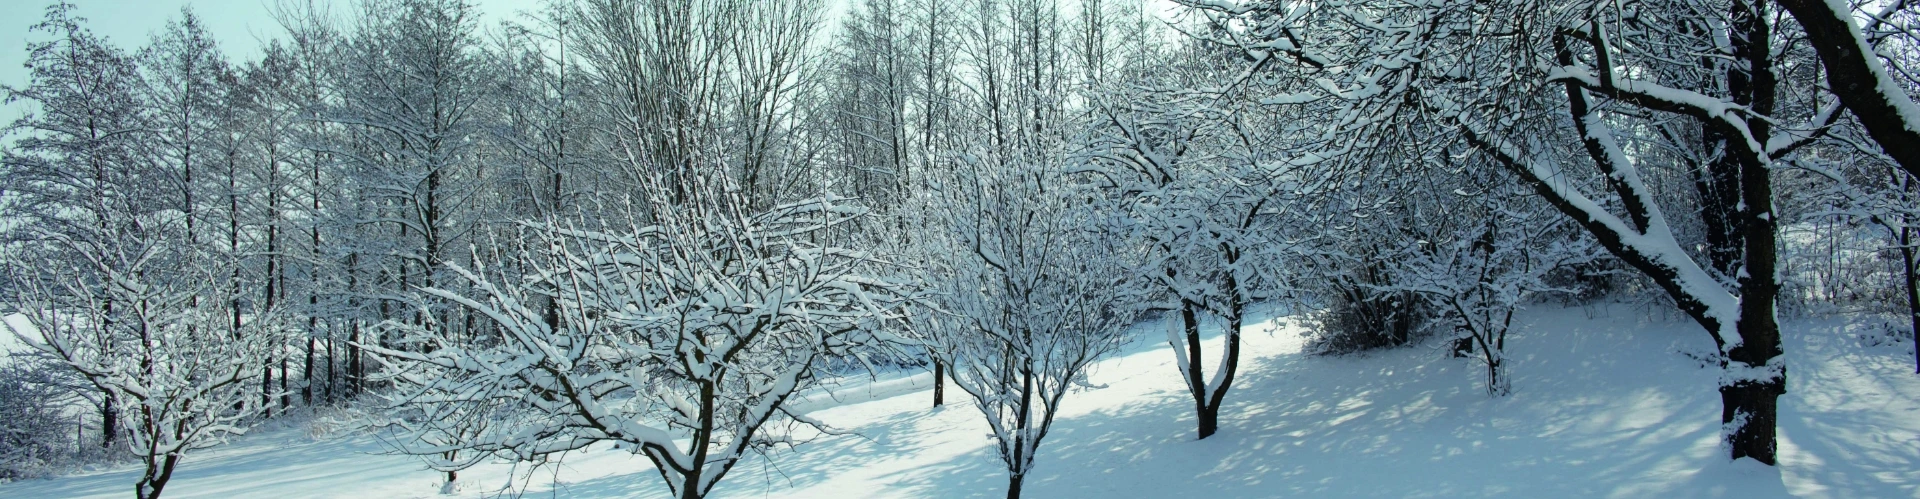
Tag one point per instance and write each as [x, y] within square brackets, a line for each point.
[1539, 89]
[1879, 193]
[409, 92]
[75, 168]
[687, 88]
[1027, 295]
[1479, 272]
[1875, 85]
[181, 69]
[146, 324]
[1207, 198]
[698, 326]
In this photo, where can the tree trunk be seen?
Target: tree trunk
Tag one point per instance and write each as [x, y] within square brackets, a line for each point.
[690, 483]
[1756, 406]
[306, 376]
[940, 375]
[109, 420]
[1913, 294]
[1013, 486]
[452, 475]
[1496, 383]
[156, 477]
[1209, 420]
[286, 396]
[333, 370]
[266, 389]
[1196, 380]
[1749, 399]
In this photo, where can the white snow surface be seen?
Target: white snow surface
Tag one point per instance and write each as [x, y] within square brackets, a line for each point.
[1605, 404]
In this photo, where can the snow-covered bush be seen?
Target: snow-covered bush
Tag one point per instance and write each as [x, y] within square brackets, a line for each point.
[1476, 277]
[36, 434]
[1363, 314]
[1356, 274]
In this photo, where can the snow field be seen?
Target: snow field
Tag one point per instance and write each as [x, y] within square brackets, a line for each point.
[1605, 404]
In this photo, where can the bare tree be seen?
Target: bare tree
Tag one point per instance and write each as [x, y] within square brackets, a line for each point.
[1565, 68]
[698, 327]
[1027, 295]
[76, 171]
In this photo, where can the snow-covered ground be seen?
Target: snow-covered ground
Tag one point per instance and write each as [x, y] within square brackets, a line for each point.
[1606, 403]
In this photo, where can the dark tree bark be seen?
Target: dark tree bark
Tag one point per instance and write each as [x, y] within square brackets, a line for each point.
[1196, 374]
[306, 376]
[1207, 400]
[356, 374]
[286, 395]
[1913, 291]
[266, 390]
[939, 383]
[1853, 75]
[333, 371]
[1757, 401]
[155, 479]
[109, 420]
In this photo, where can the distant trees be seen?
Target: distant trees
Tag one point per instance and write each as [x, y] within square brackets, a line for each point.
[409, 100]
[700, 87]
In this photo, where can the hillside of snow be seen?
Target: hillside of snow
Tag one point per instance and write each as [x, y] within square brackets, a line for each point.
[1606, 403]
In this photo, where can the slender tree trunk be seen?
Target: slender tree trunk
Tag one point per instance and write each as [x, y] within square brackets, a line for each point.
[690, 488]
[306, 376]
[702, 440]
[286, 395]
[940, 378]
[1913, 294]
[1208, 414]
[1209, 420]
[1021, 444]
[266, 389]
[452, 475]
[333, 372]
[356, 377]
